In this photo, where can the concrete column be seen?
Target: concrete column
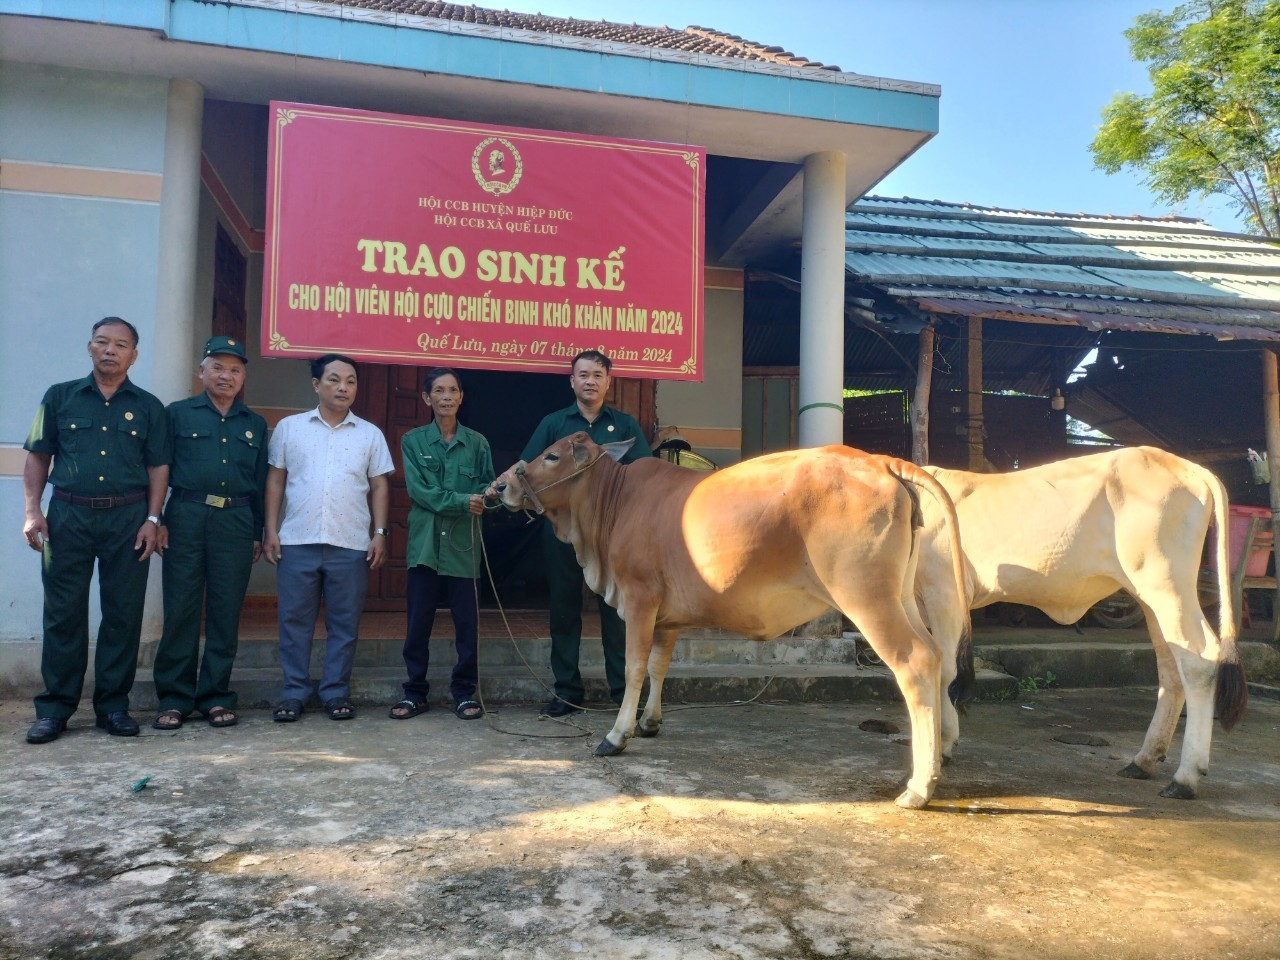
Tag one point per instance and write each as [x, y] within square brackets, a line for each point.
[173, 360]
[821, 393]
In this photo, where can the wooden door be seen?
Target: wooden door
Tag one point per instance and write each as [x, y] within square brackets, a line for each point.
[388, 398]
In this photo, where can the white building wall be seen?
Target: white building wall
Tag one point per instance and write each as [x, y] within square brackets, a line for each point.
[709, 414]
[81, 155]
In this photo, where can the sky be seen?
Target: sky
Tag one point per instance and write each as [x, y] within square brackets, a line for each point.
[1023, 86]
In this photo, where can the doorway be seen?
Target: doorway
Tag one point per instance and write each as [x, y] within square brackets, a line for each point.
[505, 407]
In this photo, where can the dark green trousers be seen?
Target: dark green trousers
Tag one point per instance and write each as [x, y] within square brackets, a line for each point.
[564, 585]
[206, 569]
[79, 536]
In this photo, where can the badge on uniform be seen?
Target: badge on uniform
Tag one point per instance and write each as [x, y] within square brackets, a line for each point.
[128, 415]
[249, 434]
[610, 428]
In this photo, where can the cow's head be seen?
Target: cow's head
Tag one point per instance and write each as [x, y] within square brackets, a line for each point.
[525, 486]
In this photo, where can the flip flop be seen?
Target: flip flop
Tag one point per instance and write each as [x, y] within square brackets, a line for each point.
[168, 720]
[340, 708]
[221, 717]
[411, 707]
[287, 711]
[468, 710]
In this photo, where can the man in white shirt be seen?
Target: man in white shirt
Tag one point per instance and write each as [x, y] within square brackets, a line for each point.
[326, 468]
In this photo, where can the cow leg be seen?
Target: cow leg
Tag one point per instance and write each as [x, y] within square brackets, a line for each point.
[640, 620]
[917, 666]
[950, 717]
[659, 660]
[1169, 700]
[1195, 651]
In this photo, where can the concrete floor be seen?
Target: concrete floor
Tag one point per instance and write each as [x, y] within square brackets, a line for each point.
[758, 831]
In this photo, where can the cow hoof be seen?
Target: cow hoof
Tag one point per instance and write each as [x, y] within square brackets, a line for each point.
[1176, 791]
[643, 731]
[1134, 772]
[607, 748]
[910, 800]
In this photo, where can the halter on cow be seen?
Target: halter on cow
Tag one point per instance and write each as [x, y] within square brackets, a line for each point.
[757, 548]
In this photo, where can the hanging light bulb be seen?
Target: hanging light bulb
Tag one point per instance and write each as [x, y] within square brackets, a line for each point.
[1057, 401]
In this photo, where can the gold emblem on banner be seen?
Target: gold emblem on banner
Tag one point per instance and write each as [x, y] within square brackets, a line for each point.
[497, 166]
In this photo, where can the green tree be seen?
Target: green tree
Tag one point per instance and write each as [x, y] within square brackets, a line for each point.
[1212, 122]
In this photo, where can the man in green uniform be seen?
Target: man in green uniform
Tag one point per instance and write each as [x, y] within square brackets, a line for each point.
[212, 536]
[106, 441]
[589, 380]
[446, 468]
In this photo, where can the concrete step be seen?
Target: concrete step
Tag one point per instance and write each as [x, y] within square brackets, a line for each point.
[698, 647]
[800, 683]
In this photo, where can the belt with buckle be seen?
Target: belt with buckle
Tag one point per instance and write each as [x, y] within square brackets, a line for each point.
[210, 500]
[100, 503]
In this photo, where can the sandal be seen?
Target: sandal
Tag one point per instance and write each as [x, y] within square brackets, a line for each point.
[340, 708]
[168, 720]
[221, 717]
[287, 711]
[468, 710]
[408, 708]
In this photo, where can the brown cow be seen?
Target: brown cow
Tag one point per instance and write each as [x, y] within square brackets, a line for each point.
[756, 548]
[1063, 536]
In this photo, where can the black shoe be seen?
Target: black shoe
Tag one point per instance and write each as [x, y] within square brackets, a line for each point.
[558, 708]
[45, 730]
[118, 724]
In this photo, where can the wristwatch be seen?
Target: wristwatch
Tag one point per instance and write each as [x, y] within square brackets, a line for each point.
[381, 530]
[154, 519]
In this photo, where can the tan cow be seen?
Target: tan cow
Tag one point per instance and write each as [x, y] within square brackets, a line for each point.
[1065, 535]
[756, 548]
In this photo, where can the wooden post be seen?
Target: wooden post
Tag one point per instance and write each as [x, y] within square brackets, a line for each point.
[973, 390]
[1271, 420]
[920, 400]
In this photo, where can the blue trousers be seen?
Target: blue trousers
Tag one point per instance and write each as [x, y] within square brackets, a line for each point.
[306, 573]
[422, 593]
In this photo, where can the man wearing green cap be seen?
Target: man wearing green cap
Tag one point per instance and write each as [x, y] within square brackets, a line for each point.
[212, 536]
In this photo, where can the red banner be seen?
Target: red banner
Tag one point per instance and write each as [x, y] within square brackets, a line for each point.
[417, 241]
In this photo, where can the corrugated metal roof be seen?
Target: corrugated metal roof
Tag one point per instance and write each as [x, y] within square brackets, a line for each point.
[1170, 274]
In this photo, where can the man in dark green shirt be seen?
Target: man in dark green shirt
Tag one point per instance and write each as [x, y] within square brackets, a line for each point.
[107, 442]
[212, 536]
[589, 380]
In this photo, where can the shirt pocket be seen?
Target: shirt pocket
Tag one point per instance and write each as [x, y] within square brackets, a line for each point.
[245, 449]
[194, 444]
[72, 432]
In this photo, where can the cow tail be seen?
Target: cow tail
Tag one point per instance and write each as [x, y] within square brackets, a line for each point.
[961, 687]
[1231, 692]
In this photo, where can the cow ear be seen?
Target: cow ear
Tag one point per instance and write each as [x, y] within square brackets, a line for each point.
[619, 449]
[581, 455]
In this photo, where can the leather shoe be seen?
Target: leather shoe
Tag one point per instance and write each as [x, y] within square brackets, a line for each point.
[118, 724]
[46, 730]
[558, 708]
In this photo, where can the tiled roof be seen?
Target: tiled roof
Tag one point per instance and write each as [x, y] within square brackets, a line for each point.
[699, 40]
[1166, 274]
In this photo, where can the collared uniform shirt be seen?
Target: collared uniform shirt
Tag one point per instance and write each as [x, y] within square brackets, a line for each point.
[222, 456]
[441, 479]
[100, 447]
[610, 426]
[326, 492]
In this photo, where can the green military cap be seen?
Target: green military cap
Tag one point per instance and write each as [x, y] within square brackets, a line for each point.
[229, 345]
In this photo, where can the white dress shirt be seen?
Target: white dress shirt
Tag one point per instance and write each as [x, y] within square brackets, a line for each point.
[326, 493]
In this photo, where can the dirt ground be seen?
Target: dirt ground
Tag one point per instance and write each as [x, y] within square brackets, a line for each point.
[758, 831]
